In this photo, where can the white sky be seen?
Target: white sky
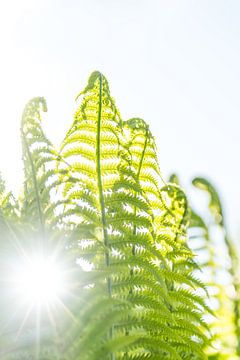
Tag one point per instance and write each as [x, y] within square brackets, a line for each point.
[174, 63]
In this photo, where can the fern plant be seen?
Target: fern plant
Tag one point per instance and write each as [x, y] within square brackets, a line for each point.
[101, 200]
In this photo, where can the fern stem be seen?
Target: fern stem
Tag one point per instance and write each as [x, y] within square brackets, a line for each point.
[137, 178]
[101, 197]
[143, 154]
[135, 209]
[99, 175]
[40, 212]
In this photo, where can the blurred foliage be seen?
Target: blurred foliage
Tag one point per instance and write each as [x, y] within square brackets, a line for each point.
[219, 263]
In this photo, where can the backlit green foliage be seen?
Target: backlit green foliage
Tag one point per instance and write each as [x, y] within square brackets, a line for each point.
[100, 204]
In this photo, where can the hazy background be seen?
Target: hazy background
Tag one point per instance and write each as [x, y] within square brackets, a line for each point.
[174, 63]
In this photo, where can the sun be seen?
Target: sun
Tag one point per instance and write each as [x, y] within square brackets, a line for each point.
[39, 281]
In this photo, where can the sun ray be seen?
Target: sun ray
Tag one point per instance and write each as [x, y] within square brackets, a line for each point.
[29, 310]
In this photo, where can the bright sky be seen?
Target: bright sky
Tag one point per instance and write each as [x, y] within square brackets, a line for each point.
[173, 63]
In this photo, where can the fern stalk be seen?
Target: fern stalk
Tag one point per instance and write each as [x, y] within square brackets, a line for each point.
[35, 184]
[101, 197]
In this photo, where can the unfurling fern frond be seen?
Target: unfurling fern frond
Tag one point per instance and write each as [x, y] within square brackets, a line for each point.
[40, 175]
[137, 239]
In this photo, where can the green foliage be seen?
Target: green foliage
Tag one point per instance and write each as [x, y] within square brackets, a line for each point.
[100, 205]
